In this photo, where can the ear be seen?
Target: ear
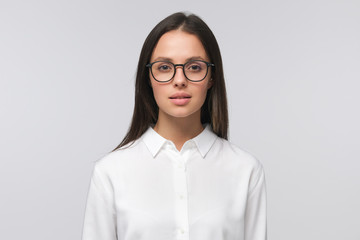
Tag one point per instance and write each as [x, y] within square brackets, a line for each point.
[149, 82]
[210, 83]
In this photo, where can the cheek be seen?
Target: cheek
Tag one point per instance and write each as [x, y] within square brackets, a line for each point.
[158, 91]
[203, 91]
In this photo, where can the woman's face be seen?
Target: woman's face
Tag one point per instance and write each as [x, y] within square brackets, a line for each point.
[179, 47]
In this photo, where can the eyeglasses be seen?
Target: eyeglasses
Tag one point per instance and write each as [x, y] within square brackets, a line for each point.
[194, 71]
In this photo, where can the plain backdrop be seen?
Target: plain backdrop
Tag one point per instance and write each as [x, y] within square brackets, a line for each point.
[292, 72]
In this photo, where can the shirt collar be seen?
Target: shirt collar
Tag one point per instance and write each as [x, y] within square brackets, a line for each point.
[203, 141]
[153, 141]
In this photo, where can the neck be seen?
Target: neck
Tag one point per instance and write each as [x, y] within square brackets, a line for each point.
[178, 130]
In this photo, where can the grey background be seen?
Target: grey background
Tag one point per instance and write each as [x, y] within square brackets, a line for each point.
[66, 97]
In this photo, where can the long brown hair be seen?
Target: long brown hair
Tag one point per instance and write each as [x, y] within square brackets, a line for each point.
[214, 110]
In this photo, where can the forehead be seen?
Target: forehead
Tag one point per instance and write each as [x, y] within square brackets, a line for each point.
[179, 46]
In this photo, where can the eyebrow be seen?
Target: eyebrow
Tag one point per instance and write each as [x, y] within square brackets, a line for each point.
[170, 59]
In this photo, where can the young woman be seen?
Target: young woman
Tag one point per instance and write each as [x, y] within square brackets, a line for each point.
[175, 175]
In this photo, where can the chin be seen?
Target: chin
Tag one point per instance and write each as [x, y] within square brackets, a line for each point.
[181, 113]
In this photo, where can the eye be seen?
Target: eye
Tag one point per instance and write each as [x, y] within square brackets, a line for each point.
[164, 67]
[194, 67]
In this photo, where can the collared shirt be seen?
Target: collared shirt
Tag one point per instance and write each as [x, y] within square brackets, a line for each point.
[210, 190]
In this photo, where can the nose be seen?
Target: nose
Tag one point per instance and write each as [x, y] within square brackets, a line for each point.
[179, 77]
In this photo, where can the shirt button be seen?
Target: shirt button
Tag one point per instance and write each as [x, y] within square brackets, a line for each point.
[181, 196]
[181, 167]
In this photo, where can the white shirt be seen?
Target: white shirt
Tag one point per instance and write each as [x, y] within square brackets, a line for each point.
[210, 190]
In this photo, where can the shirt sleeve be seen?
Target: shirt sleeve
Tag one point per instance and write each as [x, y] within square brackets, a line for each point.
[100, 214]
[255, 216]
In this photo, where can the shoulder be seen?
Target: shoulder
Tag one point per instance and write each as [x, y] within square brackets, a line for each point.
[115, 159]
[237, 154]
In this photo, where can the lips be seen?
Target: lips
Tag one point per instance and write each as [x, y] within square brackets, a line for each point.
[180, 99]
[180, 96]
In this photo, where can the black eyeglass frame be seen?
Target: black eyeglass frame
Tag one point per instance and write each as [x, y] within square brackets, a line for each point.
[149, 65]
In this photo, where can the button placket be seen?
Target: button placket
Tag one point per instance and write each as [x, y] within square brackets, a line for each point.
[181, 201]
